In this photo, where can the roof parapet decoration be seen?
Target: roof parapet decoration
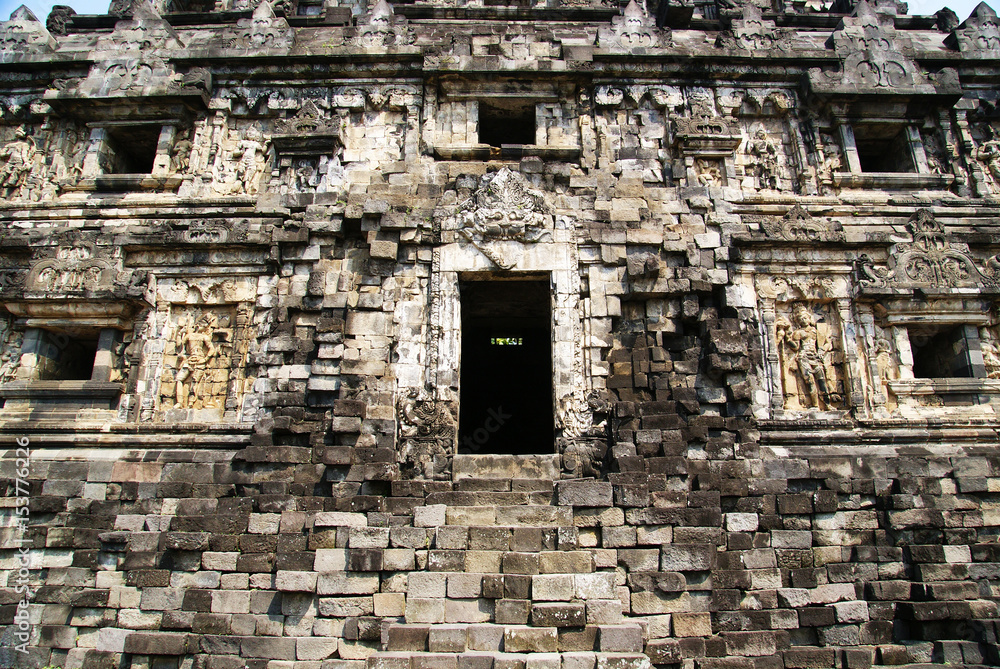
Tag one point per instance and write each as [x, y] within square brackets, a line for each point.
[264, 31]
[930, 262]
[382, 28]
[23, 34]
[145, 30]
[632, 33]
[978, 36]
[751, 32]
[875, 61]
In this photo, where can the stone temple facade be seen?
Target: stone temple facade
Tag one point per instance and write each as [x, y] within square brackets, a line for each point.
[452, 334]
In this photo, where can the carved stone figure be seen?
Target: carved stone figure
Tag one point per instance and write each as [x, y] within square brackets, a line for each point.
[989, 155]
[808, 353]
[18, 157]
[250, 157]
[883, 360]
[709, 172]
[383, 28]
[195, 351]
[991, 353]
[180, 155]
[10, 351]
[427, 429]
[764, 154]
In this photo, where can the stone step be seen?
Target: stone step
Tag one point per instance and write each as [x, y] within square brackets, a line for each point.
[457, 638]
[503, 485]
[509, 467]
[559, 582]
[488, 498]
[498, 660]
[519, 515]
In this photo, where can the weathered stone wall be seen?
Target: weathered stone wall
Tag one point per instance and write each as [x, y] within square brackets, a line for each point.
[773, 336]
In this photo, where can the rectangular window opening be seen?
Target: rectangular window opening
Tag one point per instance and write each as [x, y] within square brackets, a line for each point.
[61, 357]
[506, 372]
[506, 122]
[940, 353]
[131, 149]
[881, 151]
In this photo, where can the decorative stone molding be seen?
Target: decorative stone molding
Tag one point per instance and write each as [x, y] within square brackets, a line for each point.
[929, 262]
[309, 132]
[428, 429]
[799, 225]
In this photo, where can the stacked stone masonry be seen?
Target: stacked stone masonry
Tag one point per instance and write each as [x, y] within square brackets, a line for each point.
[234, 244]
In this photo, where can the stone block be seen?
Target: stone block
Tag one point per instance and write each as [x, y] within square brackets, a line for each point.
[429, 516]
[427, 584]
[468, 610]
[604, 611]
[296, 581]
[558, 614]
[692, 624]
[565, 562]
[313, 648]
[347, 584]
[552, 587]
[584, 492]
[620, 639]
[421, 610]
[465, 586]
[447, 639]
[512, 611]
[485, 637]
[389, 604]
[530, 640]
[407, 638]
[599, 585]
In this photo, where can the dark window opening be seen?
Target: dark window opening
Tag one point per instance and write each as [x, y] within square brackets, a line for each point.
[882, 151]
[60, 357]
[308, 8]
[940, 354]
[506, 123]
[506, 373]
[186, 6]
[131, 150]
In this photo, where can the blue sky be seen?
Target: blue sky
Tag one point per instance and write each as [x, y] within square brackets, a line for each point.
[41, 7]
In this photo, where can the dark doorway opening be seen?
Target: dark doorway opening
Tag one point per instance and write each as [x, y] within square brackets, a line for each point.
[506, 384]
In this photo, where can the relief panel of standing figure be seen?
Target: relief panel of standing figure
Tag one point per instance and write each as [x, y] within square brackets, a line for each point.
[810, 358]
[197, 359]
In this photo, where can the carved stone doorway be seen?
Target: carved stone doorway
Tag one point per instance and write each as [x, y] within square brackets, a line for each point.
[506, 402]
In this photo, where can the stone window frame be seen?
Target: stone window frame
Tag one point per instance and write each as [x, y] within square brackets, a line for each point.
[902, 315]
[545, 99]
[98, 392]
[920, 179]
[160, 177]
